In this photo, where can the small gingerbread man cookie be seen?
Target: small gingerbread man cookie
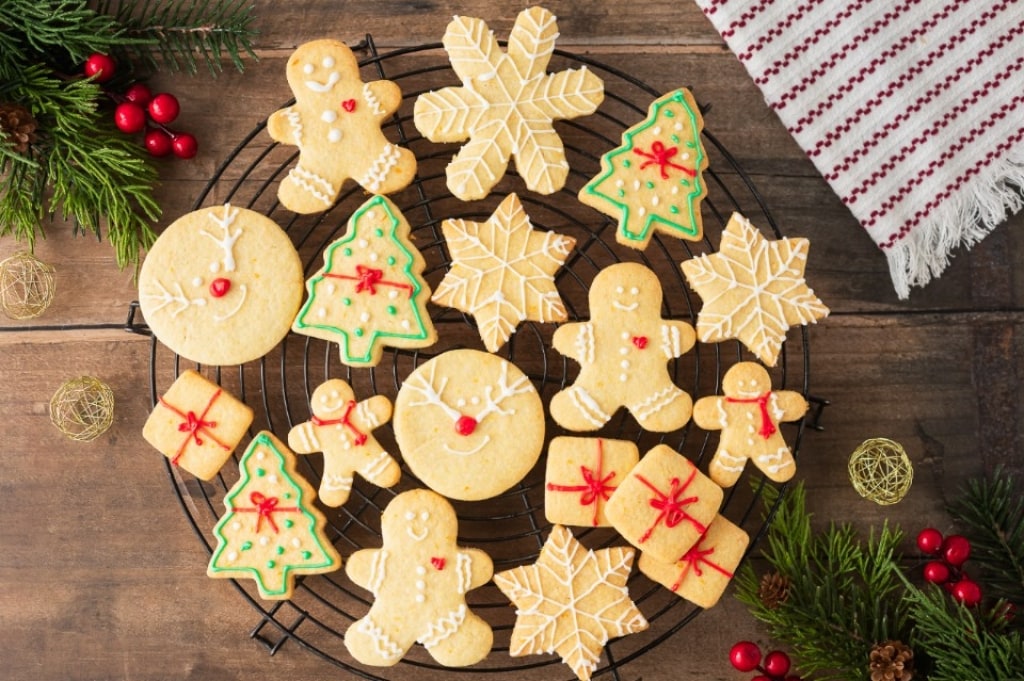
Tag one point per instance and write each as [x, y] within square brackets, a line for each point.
[342, 429]
[623, 353]
[419, 580]
[335, 122]
[748, 414]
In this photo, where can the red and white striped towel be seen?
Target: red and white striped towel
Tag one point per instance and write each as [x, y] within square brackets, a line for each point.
[910, 109]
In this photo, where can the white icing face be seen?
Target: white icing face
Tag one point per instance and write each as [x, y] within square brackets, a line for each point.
[419, 515]
[220, 285]
[331, 398]
[626, 288]
[748, 380]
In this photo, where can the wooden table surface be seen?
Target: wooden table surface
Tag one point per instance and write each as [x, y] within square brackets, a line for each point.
[101, 575]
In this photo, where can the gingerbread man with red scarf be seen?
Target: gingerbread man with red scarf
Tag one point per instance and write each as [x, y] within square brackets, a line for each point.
[748, 414]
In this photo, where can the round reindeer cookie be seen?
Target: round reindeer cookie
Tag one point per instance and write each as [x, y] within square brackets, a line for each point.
[221, 285]
[469, 424]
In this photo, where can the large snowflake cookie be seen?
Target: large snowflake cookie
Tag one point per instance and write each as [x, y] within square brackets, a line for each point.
[623, 353]
[654, 181]
[221, 285]
[342, 428]
[506, 105]
[571, 601]
[753, 289]
[419, 579]
[748, 414]
[335, 122]
[503, 272]
[370, 293]
[469, 424]
[272, 531]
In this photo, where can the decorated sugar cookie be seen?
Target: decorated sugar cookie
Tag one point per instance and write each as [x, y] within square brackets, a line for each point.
[503, 272]
[272, 531]
[623, 353]
[370, 293]
[748, 414]
[335, 122]
[506, 105]
[419, 579]
[469, 424]
[582, 473]
[342, 428]
[221, 285]
[654, 181]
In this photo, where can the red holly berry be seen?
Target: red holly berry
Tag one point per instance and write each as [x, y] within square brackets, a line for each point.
[138, 93]
[762, 677]
[184, 145]
[745, 656]
[936, 572]
[929, 540]
[967, 592]
[956, 550]
[164, 108]
[101, 67]
[129, 117]
[157, 142]
[776, 664]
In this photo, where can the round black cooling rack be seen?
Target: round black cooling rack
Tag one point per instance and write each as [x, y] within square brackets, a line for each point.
[510, 527]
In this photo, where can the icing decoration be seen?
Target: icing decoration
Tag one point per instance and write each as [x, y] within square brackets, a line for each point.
[371, 100]
[377, 173]
[465, 425]
[345, 420]
[264, 507]
[369, 278]
[767, 428]
[349, 105]
[671, 508]
[692, 561]
[503, 271]
[575, 622]
[595, 487]
[314, 185]
[639, 341]
[194, 424]
[226, 242]
[219, 287]
[177, 297]
[437, 562]
[506, 105]
[661, 157]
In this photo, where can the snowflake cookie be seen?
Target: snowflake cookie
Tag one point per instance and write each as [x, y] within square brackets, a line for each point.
[748, 414]
[571, 601]
[654, 181]
[506, 105]
[370, 293]
[342, 428]
[335, 122]
[419, 579]
[623, 353]
[753, 289]
[272, 531]
[503, 272]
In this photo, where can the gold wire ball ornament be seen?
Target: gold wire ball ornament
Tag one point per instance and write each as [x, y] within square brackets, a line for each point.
[26, 286]
[82, 408]
[880, 471]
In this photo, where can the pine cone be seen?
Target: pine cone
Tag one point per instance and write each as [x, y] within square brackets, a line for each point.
[17, 125]
[892, 661]
[774, 590]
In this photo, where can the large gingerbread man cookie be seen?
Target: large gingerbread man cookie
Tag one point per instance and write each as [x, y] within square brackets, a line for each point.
[342, 429]
[748, 414]
[623, 353]
[335, 122]
[419, 580]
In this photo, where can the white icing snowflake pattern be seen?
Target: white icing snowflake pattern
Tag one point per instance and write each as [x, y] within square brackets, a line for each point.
[753, 289]
[568, 578]
[503, 271]
[506, 105]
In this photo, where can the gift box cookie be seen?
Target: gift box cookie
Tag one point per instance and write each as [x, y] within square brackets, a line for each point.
[197, 424]
[664, 505]
[582, 473]
[705, 570]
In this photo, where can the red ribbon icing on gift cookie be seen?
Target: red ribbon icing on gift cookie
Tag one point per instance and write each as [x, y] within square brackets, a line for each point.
[767, 425]
[692, 561]
[344, 420]
[368, 279]
[265, 507]
[671, 508]
[194, 424]
[594, 487]
[660, 156]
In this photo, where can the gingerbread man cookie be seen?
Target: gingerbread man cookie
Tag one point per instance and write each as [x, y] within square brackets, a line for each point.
[623, 353]
[419, 580]
[748, 414]
[342, 429]
[335, 122]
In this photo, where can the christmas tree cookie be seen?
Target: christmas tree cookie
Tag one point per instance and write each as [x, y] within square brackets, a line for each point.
[370, 293]
[271, 531]
[653, 181]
